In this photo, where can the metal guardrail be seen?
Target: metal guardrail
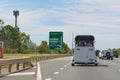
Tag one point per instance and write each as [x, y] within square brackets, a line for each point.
[14, 64]
[39, 58]
[8, 66]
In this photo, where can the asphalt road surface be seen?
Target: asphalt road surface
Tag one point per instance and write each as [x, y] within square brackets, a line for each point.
[61, 69]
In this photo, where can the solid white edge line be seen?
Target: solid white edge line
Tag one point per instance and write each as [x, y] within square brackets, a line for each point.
[22, 74]
[38, 74]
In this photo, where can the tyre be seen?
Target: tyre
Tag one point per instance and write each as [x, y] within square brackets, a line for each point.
[111, 58]
[96, 64]
[72, 64]
[108, 58]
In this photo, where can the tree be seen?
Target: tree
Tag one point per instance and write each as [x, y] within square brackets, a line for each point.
[24, 39]
[1, 21]
[10, 37]
[118, 50]
[65, 48]
[43, 48]
[15, 40]
[32, 47]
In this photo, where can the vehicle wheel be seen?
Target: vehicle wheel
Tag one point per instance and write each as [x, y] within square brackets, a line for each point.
[116, 56]
[72, 64]
[108, 58]
[111, 58]
[96, 64]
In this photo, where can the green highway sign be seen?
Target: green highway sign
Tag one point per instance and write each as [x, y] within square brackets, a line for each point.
[55, 40]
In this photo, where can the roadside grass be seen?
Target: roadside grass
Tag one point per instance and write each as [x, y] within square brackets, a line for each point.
[13, 55]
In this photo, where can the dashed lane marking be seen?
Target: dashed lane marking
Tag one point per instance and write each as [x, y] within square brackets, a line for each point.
[48, 79]
[61, 68]
[104, 63]
[67, 64]
[56, 72]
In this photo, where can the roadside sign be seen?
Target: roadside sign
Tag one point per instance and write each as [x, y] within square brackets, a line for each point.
[55, 40]
[1, 49]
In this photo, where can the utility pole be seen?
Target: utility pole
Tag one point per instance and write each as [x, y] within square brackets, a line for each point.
[16, 14]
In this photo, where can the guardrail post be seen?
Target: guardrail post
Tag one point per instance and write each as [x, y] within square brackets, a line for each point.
[24, 65]
[18, 66]
[0, 69]
[10, 68]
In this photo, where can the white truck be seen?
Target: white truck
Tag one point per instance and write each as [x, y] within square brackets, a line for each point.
[84, 50]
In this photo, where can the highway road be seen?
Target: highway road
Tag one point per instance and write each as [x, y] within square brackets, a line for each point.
[61, 69]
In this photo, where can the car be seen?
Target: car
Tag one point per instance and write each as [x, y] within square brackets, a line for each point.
[100, 55]
[115, 54]
[107, 54]
[97, 52]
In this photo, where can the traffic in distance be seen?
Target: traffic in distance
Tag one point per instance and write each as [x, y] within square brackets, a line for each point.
[107, 54]
[85, 53]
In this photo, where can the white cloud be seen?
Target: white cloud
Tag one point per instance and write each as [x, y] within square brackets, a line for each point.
[31, 18]
[95, 20]
[95, 17]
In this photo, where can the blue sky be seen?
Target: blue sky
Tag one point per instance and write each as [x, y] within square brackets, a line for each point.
[100, 18]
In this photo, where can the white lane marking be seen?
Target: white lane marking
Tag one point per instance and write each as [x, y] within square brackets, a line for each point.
[67, 64]
[22, 74]
[56, 72]
[48, 79]
[61, 68]
[38, 74]
[104, 63]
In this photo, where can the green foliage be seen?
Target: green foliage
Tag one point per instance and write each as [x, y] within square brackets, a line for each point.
[32, 47]
[7, 49]
[1, 21]
[24, 39]
[118, 50]
[11, 37]
[43, 48]
[65, 48]
[19, 42]
[15, 41]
